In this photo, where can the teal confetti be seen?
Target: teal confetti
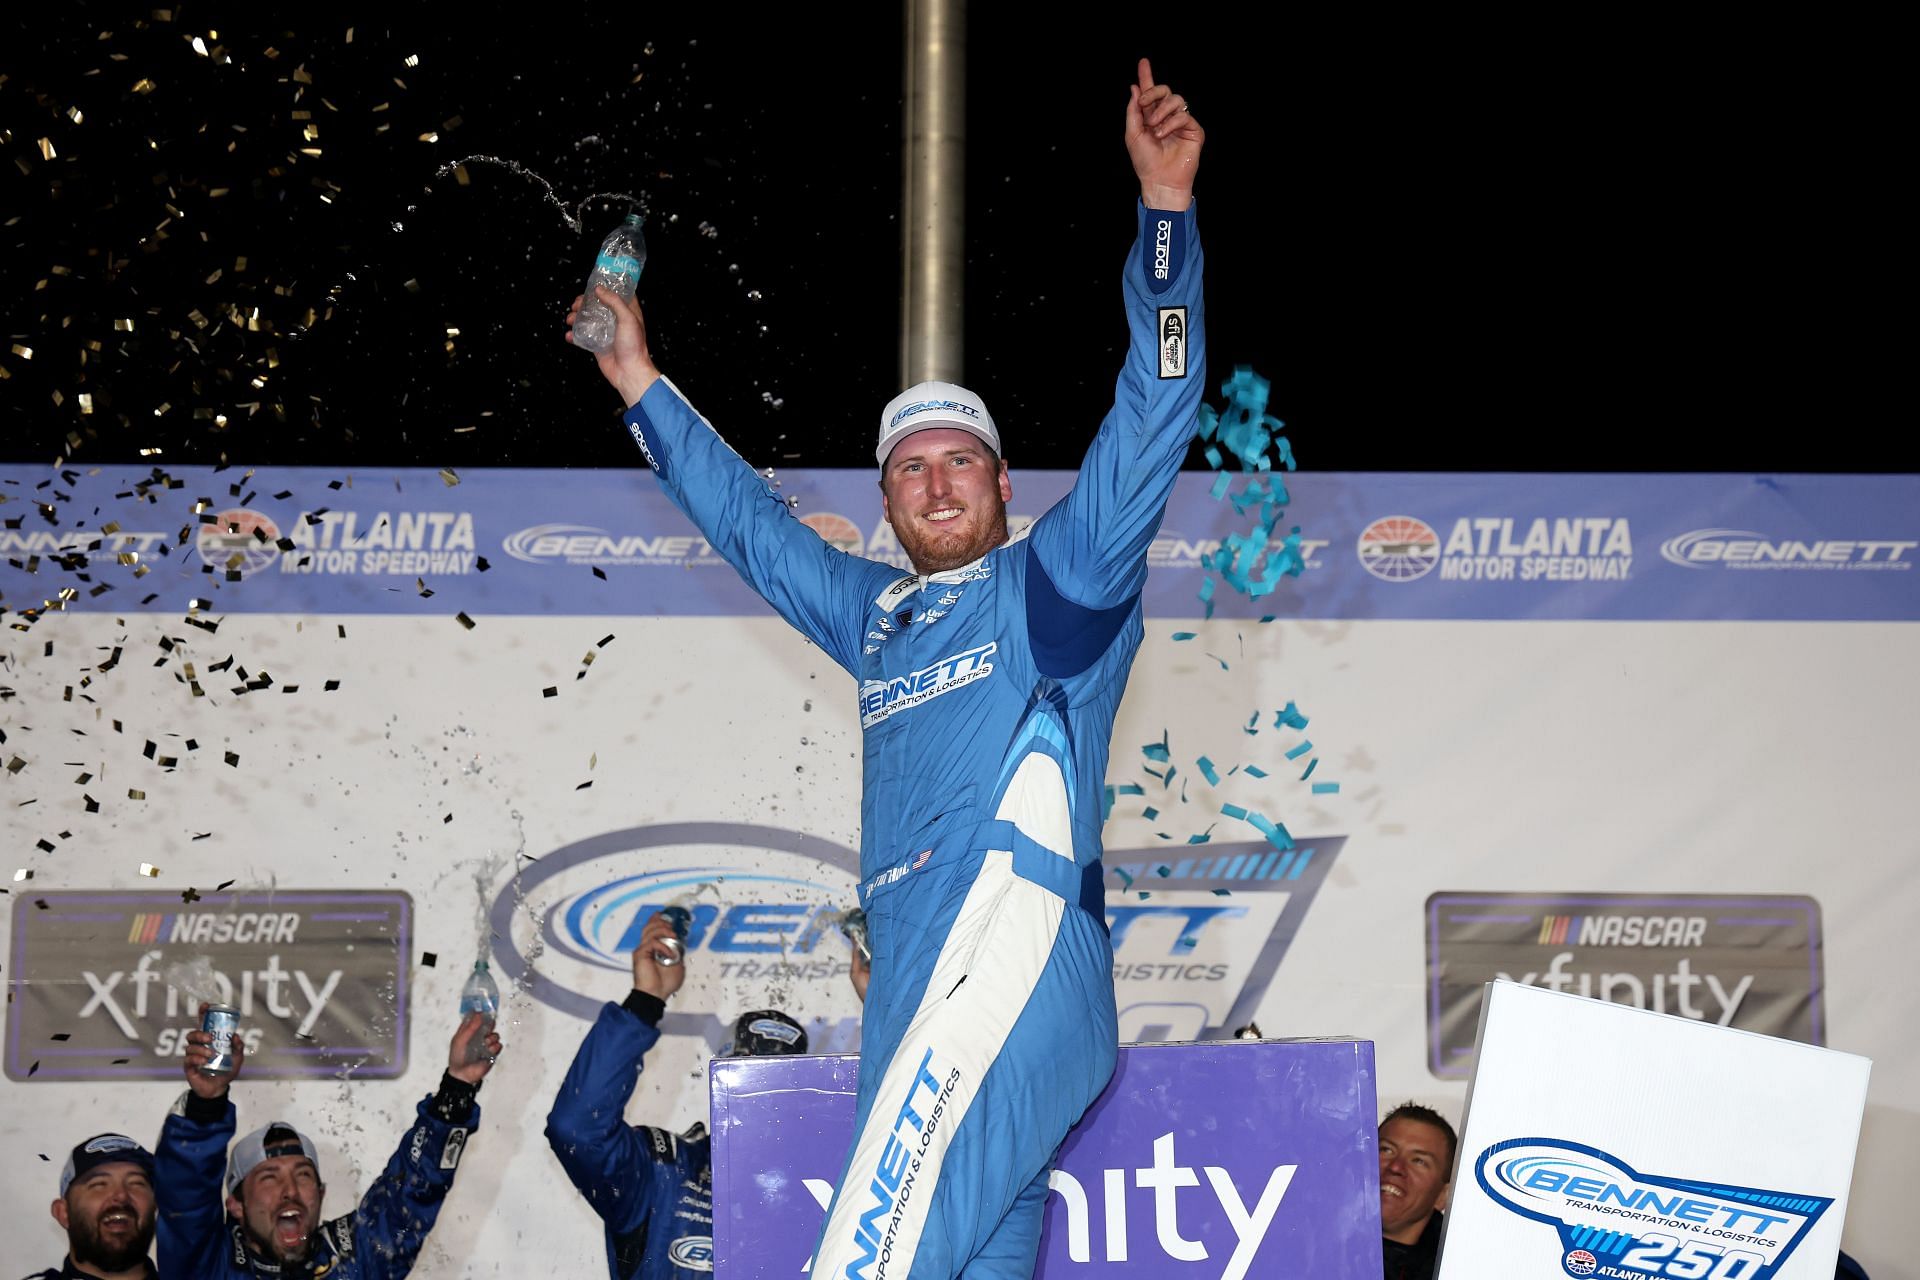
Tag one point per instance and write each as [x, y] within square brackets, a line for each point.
[1233, 811]
[1126, 881]
[1185, 635]
[1168, 780]
[1106, 810]
[1253, 724]
[1131, 789]
[1289, 717]
[1276, 833]
[1202, 838]
[1221, 481]
[1268, 617]
[1149, 813]
[1300, 750]
[1223, 893]
[1144, 895]
[1163, 871]
[1207, 771]
[1157, 751]
[1151, 774]
[1255, 771]
[1188, 943]
[1311, 766]
[1326, 788]
[1215, 460]
[1222, 661]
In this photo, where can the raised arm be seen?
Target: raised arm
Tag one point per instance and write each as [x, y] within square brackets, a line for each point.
[189, 1162]
[392, 1221]
[1092, 545]
[820, 590]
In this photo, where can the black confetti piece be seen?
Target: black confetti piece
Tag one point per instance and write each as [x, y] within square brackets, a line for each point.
[429, 959]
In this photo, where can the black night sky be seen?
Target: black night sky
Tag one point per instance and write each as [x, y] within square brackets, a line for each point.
[1450, 247]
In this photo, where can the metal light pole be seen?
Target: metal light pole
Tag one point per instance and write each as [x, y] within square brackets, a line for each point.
[933, 204]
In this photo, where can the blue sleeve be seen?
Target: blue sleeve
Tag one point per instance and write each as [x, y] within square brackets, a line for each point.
[1092, 546]
[607, 1159]
[399, 1209]
[821, 590]
[188, 1164]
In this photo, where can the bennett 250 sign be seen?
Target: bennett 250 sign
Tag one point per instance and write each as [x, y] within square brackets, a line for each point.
[1197, 939]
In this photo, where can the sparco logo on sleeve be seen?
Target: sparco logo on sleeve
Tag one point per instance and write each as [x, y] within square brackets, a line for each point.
[1173, 342]
[1162, 247]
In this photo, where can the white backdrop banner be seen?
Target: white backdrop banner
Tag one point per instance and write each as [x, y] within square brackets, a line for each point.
[334, 738]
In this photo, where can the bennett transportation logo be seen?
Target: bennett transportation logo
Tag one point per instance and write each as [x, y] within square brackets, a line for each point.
[1172, 549]
[99, 982]
[1614, 1222]
[766, 905]
[589, 545]
[1753, 962]
[882, 698]
[1501, 549]
[1745, 549]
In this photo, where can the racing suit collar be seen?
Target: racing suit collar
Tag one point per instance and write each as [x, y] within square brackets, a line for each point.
[972, 569]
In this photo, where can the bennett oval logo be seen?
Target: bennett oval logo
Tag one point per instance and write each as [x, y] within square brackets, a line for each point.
[695, 1253]
[765, 904]
[836, 531]
[1399, 548]
[240, 540]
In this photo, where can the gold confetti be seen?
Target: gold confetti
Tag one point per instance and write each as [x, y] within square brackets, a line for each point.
[149, 870]
[24, 873]
[144, 85]
[25, 353]
[46, 149]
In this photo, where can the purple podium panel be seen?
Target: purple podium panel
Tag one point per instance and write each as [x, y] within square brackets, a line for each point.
[1215, 1161]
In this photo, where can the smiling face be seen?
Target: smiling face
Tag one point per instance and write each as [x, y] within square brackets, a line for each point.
[945, 495]
[1414, 1176]
[279, 1204]
[108, 1215]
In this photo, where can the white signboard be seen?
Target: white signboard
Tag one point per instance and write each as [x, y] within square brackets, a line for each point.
[1603, 1140]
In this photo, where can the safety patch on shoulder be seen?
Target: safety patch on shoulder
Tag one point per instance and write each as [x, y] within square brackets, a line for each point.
[450, 1150]
[1173, 342]
[659, 1142]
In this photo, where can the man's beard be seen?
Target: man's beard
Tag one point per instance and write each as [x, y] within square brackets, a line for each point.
[88, 1248]
[932, 553]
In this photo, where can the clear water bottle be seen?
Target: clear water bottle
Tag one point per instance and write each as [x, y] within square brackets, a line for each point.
[622, 254]
[480, 996]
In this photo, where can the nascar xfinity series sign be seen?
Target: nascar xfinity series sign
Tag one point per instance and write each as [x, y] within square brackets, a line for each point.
[1608, 1141]
[106, 985]
[1752, 962]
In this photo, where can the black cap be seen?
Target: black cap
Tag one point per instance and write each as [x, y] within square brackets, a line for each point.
[104, 1148]
[767, 1033]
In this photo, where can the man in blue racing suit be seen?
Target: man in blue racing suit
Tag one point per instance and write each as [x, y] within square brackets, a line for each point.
[255, 1211]
[988, 683]
[652, 1188]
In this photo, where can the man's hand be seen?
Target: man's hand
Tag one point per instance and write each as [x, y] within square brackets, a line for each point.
[474, 1024]
[859, 972]
[1164, 141]
[626, 364]
[200, 1053]
[649, 975]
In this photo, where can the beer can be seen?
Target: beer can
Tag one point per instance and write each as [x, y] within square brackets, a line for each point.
[854, 925]
[671, 950]
[220, 1021]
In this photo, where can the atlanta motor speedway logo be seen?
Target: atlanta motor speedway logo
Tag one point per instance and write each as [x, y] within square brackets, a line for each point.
[1193, 957]
[240, 541]
[1399, 548]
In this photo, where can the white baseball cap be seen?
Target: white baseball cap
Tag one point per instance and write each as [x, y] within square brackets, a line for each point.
[934, 404]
